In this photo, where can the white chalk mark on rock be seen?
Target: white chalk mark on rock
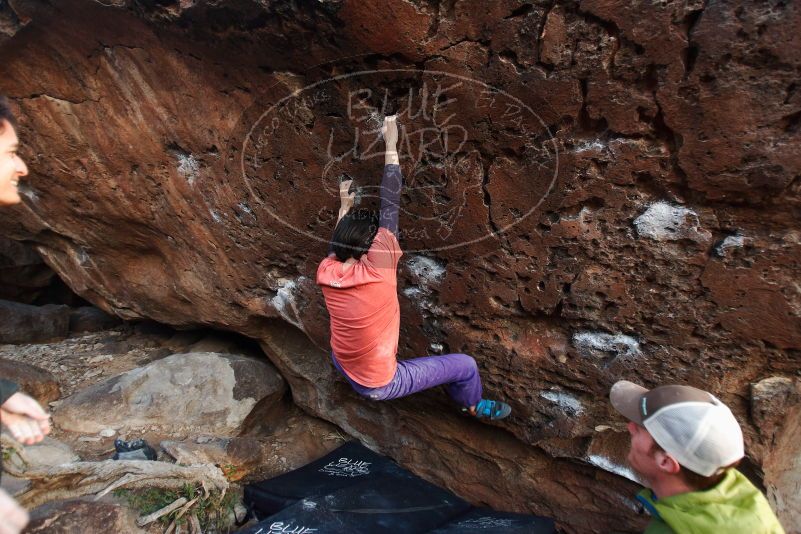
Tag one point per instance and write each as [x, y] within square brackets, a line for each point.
[564, 400]
[595, 145]
[617, 344]
[426, 271]
[436, 348]
[285, 301]
[606, 464]
[188, 167]
[667, 222]
[412, 292]
[731, 242]
[28, 192]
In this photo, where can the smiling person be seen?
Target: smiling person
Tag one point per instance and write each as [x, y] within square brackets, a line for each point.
[21, 414]
[685, 446]
[12, 168]
[360, 284]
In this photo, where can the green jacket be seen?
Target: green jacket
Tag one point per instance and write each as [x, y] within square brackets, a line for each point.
[734, 506]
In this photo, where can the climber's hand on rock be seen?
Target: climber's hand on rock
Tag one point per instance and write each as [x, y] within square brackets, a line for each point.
[390, 132]
[346, 198]
[13, 517]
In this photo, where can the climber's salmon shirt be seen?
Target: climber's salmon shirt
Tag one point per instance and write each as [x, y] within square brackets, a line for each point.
[365, 315]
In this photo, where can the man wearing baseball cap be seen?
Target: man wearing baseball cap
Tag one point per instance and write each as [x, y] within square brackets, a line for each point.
[685, 445]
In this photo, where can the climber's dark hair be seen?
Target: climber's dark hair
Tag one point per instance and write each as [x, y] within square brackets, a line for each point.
[354, 234]
[6, 114]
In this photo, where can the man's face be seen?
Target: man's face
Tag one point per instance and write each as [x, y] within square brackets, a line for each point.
[12, 168]
[642, 457]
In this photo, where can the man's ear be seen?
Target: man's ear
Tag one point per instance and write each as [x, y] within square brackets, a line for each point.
[667, 463]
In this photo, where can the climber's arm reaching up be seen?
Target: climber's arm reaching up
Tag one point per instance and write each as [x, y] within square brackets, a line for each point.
[391, 184]
[392, 181]
[346, 199]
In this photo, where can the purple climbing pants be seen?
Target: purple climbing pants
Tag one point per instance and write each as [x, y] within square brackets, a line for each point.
[458, 372]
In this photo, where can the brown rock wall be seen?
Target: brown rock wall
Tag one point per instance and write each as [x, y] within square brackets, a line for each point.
[617, 196]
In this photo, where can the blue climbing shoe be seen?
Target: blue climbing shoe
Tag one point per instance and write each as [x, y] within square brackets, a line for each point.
[491, 409]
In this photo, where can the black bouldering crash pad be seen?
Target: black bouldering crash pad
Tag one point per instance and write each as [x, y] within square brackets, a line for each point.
[354, 490]
[485, 520]
[387, 503]
[348, 465]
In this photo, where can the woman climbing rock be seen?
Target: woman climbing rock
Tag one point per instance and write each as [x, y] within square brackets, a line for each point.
[359, 282]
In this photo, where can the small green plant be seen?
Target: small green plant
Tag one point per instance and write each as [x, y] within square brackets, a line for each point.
[213, 511]
[9, 454]
[230, 471]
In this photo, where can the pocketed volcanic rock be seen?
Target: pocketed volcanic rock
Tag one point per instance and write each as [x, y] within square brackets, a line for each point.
[206, 392]
[595, 191]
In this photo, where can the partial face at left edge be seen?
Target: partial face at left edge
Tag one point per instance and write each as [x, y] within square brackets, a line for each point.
[12, 168]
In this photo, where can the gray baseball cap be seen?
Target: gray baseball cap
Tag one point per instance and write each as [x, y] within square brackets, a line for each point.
[691, 425]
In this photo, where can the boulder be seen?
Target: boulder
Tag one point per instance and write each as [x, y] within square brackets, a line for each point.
[91, 319]
[771, 398]
[776, 408]
[595, 190]
[47, 453]
[427, 434]
[23, 323]
[39, 383]
[201, 392]
[297, 442]
[84, 516]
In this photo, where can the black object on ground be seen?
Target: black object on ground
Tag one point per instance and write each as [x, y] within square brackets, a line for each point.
[354, 490]
[136, 449]
[387, 503]
[485, 520]
[349, 464]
